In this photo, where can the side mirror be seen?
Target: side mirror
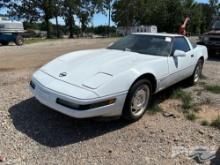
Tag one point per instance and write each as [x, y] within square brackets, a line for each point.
[179, 53]
[110, 44]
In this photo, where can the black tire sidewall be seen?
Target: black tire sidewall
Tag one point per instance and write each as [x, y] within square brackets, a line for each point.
[126, 113]
[19, 38]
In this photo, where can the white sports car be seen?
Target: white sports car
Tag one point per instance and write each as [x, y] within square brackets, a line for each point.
[118, 80]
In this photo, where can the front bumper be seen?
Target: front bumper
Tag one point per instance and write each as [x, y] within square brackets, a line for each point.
[49, 97]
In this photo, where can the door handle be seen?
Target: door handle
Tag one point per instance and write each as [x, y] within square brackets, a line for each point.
[192, 55]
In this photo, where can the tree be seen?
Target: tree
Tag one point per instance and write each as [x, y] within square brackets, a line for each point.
[214, 5]
[108, 6]
[34, 10]
[85, 12]
[205, 18]
[46, 7]
[57, 12]
[4, 3]
[25, 9]
[68, 12]
[147, 12]
[124, 13]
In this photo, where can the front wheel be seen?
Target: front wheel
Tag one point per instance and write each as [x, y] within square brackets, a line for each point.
[137, 100]
[197, 73]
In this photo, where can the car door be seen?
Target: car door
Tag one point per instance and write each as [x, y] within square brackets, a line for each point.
[180, 67]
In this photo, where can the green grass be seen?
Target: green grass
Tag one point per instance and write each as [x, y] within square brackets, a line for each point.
[216, 123]
[202, 83]
[190, 116]
[155, 108]
[184, 97]
[204, 123]
[213, 88]
[196, 108]
[37, 40]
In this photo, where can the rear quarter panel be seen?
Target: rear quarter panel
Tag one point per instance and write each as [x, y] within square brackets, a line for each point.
[200, 51]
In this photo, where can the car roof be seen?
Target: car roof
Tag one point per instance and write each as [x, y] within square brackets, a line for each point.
[160, 34]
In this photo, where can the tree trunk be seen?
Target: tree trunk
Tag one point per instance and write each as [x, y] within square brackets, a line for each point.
[109, 18]
[70, 22]
[47, 27]
[57, 27]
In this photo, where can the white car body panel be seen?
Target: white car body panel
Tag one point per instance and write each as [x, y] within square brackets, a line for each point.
[97, 75]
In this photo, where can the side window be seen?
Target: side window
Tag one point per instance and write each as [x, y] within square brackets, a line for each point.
[180, 43]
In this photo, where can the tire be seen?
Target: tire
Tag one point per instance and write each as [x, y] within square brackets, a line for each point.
[5, 43]
[19, 41]
[137, 100]
[197, 73]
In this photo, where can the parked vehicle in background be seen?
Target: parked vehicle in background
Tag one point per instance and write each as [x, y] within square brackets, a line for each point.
[211, 39]
[119, 80]
[31, 33]
[11, 31]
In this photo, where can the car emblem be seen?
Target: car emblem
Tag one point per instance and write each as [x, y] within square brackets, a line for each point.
[63, 74]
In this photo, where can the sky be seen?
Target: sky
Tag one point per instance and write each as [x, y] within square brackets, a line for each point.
[98, 19]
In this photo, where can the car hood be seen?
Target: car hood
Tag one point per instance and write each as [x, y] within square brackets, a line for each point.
[213, 32]
[92, 68]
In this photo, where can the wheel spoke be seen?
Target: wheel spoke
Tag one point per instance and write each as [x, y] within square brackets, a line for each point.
[140, 100]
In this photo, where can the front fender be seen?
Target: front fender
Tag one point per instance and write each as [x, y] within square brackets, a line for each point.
[121, 83]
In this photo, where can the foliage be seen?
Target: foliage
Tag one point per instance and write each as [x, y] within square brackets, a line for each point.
[216, 123]
[204, 123]
[166, 14]
[26, 9]
[155, 108]
[3, 3]
[190, 116]
[103, 30]
[213, 88]
[184, 97]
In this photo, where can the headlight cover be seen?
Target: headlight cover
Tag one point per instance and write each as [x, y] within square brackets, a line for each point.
[98, 80]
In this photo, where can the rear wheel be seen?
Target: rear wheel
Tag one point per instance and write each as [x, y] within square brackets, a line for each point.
[4, 43]
[137, 100]
[19, 40]
[197, 73]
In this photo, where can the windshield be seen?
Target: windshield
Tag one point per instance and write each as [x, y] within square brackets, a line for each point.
[216, 25]
[144, 44]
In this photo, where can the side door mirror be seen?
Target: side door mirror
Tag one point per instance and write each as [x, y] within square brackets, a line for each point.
[179, 53]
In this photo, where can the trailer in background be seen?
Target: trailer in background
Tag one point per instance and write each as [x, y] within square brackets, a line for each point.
[11, 31]
[123, 31]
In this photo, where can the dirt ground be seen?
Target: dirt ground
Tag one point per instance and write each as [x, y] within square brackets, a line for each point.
[30, 133]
